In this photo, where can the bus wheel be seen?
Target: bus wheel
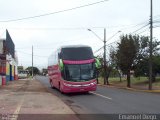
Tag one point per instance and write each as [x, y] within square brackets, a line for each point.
[52, 86]
[60, 89]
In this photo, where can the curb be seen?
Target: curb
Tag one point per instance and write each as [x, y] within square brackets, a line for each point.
[131, 89]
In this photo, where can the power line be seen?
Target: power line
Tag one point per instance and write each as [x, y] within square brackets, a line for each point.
[52, 28]
[141, 23]
[31, 54]
[156, 21]
[36, 48]
[98, 49]
[143, 31]
[100, 55]
[76, 28]
[157, 16]
[47, 14]
[140, 28]
[133, 25]
[156, 26]
[81, 28]
[106, 45]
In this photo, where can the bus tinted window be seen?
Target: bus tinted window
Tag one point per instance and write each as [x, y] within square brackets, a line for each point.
[77, 53]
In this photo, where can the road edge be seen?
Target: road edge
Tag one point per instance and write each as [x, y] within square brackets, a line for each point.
[131, 89]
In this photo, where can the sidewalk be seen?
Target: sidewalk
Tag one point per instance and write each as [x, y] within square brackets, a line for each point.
[30, 100]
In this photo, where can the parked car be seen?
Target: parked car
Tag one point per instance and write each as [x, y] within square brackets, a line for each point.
[23, 74]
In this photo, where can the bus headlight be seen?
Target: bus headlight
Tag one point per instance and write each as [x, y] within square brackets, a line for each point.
[69, 85]
[93, 83]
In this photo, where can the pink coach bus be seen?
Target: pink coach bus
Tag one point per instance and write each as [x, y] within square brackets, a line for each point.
[73, 69]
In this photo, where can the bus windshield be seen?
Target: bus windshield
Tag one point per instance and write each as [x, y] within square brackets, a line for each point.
[82, 72]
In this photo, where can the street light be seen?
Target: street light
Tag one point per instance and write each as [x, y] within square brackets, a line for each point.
[104, 55]
[96, 35]
[113, 35]
[104, 35]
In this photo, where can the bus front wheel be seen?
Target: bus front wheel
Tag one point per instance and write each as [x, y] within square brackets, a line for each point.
[60, 88]
[51, 83]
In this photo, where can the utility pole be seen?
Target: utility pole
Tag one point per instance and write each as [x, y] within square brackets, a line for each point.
[150, 50]
[104, 55]
[104, 58]
[32, 61]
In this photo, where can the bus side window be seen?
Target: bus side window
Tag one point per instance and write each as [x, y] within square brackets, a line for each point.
[63, 73]
[59, 56]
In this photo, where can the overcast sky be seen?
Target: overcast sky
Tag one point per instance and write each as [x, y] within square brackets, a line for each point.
[48, 32]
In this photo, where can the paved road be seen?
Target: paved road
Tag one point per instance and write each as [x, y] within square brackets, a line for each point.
[109, 101]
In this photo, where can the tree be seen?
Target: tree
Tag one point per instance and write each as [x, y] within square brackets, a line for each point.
[132, 53]
[113, 60]
[35, 70]
[156, 67]
[126, 53]
[141, 69]
[101, 70]
[141, 65]
[109, 69]
[141, 62]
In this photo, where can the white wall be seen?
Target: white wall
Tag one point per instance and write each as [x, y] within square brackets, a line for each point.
[1, 46]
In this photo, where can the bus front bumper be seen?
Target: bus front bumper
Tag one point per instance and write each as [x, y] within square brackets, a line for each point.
[79, 87]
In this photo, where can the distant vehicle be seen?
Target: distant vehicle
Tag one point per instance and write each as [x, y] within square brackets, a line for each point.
[73, 69]
[44, 72]
[22, 74]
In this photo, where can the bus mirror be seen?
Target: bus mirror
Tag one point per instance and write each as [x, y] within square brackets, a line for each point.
[97, 63]
[61, 64]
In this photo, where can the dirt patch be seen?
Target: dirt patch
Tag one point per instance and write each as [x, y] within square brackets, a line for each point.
[35, 86]
[24, 85]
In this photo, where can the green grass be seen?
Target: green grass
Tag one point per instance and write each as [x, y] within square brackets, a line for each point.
[141, 81]
[157, 83]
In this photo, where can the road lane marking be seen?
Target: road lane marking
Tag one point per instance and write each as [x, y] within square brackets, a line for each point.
[101, 95]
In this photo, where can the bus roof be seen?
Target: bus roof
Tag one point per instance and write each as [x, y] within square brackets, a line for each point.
[74, 46]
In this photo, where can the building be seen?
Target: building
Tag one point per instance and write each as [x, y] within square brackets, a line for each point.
[8, 59]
